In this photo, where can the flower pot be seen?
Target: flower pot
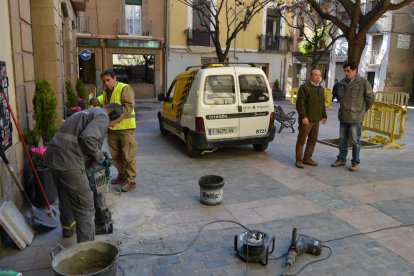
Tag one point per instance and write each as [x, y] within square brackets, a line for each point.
[46, 177]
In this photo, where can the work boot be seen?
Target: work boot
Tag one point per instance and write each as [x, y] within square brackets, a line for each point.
[118, 180]
[354, 167]
[68, 231]
[129, 186]
[310, 162]
[299, 164]
[338, 163]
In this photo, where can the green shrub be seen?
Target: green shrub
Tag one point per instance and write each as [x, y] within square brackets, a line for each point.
[31, 139]
[71, 99]
[45, 111]
[81, 90]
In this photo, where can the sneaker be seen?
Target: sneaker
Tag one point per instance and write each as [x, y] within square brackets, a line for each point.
[310, 162]
[299, 164]
[354, 167]
[129, 187]
[338, 163]
[118, 180]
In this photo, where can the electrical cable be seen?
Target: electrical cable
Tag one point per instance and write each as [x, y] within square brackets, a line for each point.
[189, 245]
[370, 232]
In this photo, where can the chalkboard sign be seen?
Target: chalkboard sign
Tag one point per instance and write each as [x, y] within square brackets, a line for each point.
[5, 120]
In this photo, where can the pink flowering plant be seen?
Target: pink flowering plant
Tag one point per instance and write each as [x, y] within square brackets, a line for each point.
[38, 155]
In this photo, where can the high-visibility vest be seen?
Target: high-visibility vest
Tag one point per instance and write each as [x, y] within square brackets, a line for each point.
[129, 121]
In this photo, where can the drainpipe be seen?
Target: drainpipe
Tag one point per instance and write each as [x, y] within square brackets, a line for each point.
[166, 43]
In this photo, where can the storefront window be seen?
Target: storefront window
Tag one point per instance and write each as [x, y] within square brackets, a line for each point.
[134, 68]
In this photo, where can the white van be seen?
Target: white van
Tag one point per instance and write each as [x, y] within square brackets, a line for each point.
[219, 105]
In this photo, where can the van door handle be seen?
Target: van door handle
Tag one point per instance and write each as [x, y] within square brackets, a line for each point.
[239, 107]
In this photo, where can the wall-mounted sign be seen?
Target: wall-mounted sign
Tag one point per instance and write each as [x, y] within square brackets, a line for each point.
[129, 43]
[86, 54]
[403, 41]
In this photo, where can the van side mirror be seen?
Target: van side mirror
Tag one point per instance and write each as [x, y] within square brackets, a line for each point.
[161, 97]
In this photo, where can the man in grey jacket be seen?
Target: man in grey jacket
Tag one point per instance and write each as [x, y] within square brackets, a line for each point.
[77, 141]
[355, 97]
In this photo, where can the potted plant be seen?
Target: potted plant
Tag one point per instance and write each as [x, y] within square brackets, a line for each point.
[71, 99]
[81, 92]
[45, 115]
[45, 111]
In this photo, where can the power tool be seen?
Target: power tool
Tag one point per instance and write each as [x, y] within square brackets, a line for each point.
[98, 175]
[301, 244]
[255, 246]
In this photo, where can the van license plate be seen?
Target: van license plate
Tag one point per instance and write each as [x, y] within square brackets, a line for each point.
[221, 131]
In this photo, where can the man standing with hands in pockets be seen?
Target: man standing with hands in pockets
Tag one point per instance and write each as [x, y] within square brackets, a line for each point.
[310, 105]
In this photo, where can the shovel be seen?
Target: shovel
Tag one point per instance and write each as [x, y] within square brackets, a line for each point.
[38, 218]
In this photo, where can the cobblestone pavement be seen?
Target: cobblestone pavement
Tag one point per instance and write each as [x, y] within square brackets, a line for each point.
[263, 191]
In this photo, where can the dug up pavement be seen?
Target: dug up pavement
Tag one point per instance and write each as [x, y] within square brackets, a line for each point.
[264, 191]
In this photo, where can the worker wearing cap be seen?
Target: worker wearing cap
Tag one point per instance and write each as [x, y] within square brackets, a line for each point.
[77, 141]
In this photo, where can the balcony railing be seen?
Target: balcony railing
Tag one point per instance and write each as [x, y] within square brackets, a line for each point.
[198, 38]
[82, 25]
[274, 43]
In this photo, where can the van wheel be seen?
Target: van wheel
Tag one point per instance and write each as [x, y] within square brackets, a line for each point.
[189, 144]
[260, 147]
[163, 131]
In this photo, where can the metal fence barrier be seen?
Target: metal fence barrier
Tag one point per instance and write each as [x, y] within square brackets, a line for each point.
[387, 119]
[399, 98]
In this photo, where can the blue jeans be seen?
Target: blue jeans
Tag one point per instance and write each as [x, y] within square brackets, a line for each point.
[355, 131]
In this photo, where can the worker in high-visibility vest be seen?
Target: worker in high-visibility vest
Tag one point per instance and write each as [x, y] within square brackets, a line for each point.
[121, 137]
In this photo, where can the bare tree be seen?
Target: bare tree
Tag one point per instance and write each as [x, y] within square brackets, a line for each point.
[355, 24]
[237, 14]
[322, 31]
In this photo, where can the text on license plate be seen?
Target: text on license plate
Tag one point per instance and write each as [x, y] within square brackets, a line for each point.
[221, 131]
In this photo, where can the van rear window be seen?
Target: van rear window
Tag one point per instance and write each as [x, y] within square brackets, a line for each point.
[253, 89]
[219, 90]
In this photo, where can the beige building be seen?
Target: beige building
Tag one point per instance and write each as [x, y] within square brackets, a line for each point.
[266, 41]
[38, 44]
[127, 36]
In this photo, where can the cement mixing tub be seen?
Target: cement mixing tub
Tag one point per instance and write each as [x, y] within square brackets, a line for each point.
[211, 189]
[86, 258]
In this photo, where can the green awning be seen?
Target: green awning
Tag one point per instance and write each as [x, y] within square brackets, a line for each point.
[133, 2]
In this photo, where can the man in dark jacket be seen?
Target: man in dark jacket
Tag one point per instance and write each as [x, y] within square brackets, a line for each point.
[77, 141]
[310, 105]
[355, 98]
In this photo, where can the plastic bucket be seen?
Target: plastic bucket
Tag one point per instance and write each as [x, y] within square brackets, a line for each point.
[211, 189]
[87, 258]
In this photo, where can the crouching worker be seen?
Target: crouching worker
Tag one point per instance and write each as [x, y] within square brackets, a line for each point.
[79, 139]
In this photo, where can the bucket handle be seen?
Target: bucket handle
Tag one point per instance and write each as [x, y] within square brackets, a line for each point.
[56, 250]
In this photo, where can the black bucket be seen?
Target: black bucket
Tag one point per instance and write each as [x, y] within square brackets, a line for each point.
[87, 258]
[211, 189]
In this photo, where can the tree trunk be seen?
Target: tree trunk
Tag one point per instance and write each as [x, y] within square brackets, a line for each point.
[356, 47]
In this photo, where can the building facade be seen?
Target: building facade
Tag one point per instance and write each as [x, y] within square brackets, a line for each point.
[127, 36]
[38, 44]
[266, 42]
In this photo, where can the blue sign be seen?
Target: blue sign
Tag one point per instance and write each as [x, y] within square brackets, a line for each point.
[85, 54]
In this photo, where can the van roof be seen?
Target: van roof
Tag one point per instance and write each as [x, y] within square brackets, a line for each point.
[220, 64]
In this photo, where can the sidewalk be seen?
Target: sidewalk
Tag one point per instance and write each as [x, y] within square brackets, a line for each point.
[264, 191]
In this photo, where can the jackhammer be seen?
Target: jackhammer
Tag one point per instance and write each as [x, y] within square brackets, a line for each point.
[98, 175]
[301, 244]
